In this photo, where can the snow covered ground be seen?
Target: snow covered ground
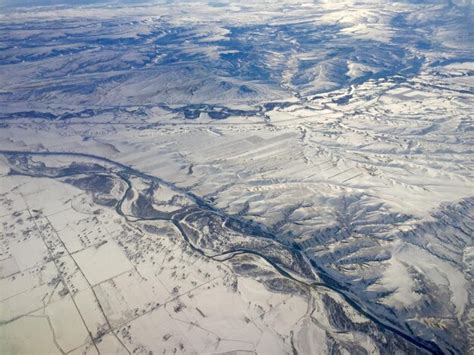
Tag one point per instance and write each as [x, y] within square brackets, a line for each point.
[268, 177]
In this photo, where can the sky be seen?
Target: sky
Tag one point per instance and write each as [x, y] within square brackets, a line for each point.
[27, 3]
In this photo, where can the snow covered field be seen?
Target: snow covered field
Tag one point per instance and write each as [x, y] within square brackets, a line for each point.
[268, 177]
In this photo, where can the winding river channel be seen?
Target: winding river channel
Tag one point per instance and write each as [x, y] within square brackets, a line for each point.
[237, 224]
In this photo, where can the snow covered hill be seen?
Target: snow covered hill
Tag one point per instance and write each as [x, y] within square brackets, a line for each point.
[303, 169]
